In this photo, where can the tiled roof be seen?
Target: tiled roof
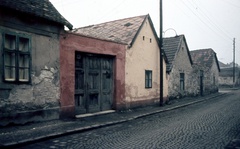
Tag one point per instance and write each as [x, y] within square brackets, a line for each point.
[38, 8]
[171, 45]
[120, 31]
[204, 57]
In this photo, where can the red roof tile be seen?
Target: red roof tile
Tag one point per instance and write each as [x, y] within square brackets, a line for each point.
[120, 31]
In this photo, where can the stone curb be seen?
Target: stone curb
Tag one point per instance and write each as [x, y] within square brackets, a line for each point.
[177, 107]
[96, 126]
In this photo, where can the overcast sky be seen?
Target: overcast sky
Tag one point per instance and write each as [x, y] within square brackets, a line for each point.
[205, 23]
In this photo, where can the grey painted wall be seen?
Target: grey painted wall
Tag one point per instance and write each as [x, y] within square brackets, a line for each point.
[39, 99]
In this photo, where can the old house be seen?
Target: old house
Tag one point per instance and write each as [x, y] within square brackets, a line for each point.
[29, 63]
[179, 67]
[112, 65]
[206, 68]
[229, 76]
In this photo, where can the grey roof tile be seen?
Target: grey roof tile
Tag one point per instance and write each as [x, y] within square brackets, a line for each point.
[39, 8]
[204, 57]
[170, 46]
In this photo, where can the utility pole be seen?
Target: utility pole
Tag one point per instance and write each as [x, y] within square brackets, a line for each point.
[233, 62]
[161, 54]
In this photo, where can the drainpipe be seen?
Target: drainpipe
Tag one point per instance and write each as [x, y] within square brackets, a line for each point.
[161, 55]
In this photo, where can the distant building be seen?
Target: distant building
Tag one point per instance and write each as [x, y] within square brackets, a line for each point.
[227, 77]
[231, 65]
[221, 65]
[206, 69]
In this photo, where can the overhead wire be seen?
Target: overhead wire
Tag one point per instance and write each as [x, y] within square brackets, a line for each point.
[111, 10]
[97, 18]
[222, 33]
[200, 19]
[234, 5]
[201, 15]
[237, 51]
[211, 20]
[187, 14]
[193, 21]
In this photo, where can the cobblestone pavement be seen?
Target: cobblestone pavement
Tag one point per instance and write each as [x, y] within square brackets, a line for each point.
[210, 124]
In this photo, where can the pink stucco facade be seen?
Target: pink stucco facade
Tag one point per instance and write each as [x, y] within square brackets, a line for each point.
[69, 44]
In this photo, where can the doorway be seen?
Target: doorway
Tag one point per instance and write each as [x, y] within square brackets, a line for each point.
[201, 82]
[93, 83]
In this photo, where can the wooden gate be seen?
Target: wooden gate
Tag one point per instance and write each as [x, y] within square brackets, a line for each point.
[93, 83]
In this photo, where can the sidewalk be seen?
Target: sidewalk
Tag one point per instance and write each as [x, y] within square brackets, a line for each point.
[11, 136]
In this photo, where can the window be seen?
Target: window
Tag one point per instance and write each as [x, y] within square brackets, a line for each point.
[150, 40]
[143, 37]
[148, 79]
[16, 58]
[182, 82]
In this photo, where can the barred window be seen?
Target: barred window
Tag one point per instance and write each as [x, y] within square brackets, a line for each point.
[16, 58]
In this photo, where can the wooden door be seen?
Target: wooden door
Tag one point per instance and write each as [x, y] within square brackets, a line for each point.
[93, 83]
[80, 84]
[106, 83]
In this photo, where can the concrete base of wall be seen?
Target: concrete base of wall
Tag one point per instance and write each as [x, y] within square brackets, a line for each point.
[30, 116]
[67, 112]
[141, 103]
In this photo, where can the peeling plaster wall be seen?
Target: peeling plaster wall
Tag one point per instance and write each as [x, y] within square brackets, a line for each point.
[210, 75]
[226, 81]
[38, 100]
[143, 55]
[209, 85]
[195, 80]
[182, 64]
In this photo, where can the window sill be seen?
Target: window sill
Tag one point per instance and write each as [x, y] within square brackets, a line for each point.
[10, 80]
[13, 81]
[23, 80]
[148, 87]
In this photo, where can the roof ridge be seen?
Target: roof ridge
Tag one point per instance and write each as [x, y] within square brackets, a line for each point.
[202, 49]
[120, 31]
[111, 21]
[181, 35]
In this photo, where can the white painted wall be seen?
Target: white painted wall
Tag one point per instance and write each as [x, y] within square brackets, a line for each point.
[143, 55]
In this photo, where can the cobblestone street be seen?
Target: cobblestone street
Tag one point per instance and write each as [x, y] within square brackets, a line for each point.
[210, 124]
